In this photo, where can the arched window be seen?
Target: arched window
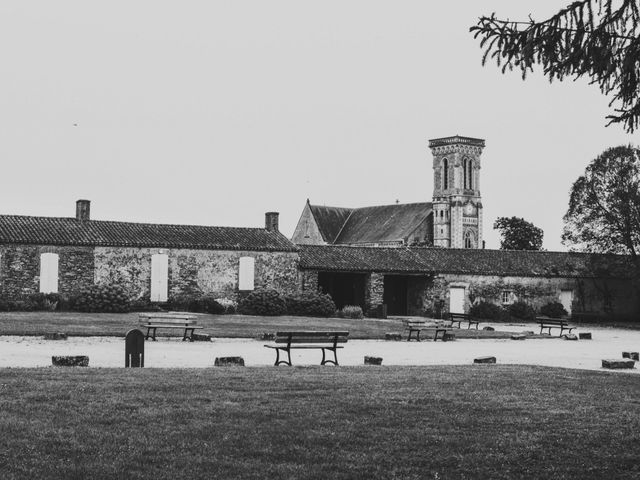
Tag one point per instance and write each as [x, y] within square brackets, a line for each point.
[468, 240]
[445, 174]
[470, 175]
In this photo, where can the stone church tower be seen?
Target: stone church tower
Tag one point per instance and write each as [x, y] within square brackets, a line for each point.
[457, 209]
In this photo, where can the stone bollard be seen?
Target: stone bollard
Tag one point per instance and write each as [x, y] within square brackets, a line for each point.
[200, 337]
[518, 336]
[614, 363]
[392, 336]
[448, 337]
[631, 355]
[55, 336]
[489, 329]
[70, 361]
[373, 360]
[484, 360]
[584, 335]
[570, 336]
[228, 361]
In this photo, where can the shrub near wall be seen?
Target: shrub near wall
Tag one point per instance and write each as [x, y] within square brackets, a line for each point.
[553, 310]
[102, 298]
[263, 302]
[521, 311]
[310, 304]
[487, 311]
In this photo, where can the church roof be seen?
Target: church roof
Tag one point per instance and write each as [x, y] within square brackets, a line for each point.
[385, 223]
[462, 261]
[70, 231]
[330, 220]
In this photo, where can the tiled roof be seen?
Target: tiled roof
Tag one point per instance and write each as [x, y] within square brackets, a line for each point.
[462, 261]
[69, 231]
[330, 220]
[386, 223]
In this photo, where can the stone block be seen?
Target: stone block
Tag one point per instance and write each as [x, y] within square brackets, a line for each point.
[484, 360]
[518, 336]
[200, 337]
[70, 361]
[489, 329]
[631, 355]
[570, 336]
[614, 363]
[373, 360]
[392, 336]
[584, 335]
[228, 361]
[448, 337]
[55, 336]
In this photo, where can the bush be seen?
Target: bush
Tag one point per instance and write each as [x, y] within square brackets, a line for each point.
[351, 311]
[230, 306]
[553, 310]
[487, 311]
[43, 301]
[197, 304]
[521, 311]
[310, 304]
[103, 298]
[263, 302]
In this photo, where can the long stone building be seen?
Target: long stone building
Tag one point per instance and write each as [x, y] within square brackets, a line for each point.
[152, 261]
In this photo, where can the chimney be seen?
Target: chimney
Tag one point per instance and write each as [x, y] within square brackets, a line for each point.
[83, 208]
[271, 221]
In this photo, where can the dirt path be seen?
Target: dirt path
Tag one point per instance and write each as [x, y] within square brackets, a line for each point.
[173, 353]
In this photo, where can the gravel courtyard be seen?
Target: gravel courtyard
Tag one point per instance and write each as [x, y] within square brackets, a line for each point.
[171, 352]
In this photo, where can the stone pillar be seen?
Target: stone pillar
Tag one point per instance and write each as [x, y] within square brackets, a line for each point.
[83, 208]
[309, 281]
[374, 290]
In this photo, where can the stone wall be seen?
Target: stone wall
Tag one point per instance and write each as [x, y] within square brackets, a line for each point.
[20, 269]
[589, 294]
[195, 272]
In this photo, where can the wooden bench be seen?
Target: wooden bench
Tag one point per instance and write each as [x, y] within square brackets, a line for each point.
[153, 321]
[550, 323]
[308, 340]
[416, 326]
[463, 317]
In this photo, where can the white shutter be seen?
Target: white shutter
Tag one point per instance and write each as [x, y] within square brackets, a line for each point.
[49, 273]
[456, 300]
[159, 277]
[246, 273]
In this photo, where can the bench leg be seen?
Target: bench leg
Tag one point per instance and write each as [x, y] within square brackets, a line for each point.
[188, 336]
[335, 356]
[151, 335]
[417, 337]
[278, 361]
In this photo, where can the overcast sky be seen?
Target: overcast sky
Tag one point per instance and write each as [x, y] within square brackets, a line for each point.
[214, 112]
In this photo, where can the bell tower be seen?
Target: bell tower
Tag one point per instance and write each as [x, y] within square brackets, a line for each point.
[457, 208]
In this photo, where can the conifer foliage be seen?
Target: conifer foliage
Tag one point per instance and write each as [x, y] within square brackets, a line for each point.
[599, 39]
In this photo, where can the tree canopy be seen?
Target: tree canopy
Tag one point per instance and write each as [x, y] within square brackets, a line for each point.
[598, 39]
[518, 234]
[604, 205]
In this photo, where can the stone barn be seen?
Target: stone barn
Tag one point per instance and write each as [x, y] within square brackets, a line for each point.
[152, 261]
[429, 281]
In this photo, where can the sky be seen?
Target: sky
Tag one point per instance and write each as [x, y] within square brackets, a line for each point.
[215, 112]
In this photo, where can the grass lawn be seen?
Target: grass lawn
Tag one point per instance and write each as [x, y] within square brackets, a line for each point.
[480, 421]
[239, 326]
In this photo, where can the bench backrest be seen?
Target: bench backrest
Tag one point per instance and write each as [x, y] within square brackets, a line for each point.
[552, 321]
[311, 337]
[414, 323]
[459, 316]
[167, 321]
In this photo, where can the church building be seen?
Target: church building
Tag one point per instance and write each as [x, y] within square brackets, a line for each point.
[453, 219]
